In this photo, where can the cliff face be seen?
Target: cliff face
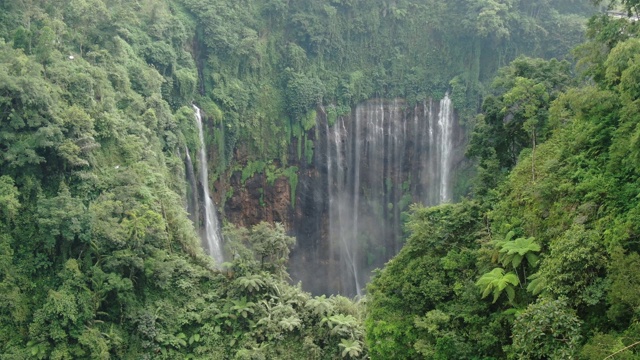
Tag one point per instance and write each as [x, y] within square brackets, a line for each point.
[367, 167]
[257, 201]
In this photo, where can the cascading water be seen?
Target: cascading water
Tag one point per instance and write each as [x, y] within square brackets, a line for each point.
[379, 160]
[445, 123]
[210, 231]
[193, 207]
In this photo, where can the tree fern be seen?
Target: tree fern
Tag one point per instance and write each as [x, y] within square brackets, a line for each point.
[537, 285]
[514, 251]
[496, 281]
[290, 323]
[350, 347]
[251, 283]
[320, 305]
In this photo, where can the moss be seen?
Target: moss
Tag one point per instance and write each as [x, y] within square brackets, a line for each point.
[309, 121]
[292, 174]
[308, 151]
[251, 169]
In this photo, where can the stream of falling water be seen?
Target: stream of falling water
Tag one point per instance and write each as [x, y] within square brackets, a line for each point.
[368, 157]
[210, 232]
[445, 122]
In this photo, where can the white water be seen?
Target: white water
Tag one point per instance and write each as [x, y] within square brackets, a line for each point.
[372, 158]
[211, 230]
[445, 122]
[193, 207]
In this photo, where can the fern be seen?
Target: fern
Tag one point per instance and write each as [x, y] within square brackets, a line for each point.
[496, 281]
[514, 251]
[350, 347]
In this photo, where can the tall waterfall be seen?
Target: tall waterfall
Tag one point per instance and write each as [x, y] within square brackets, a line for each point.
[445, 124]
[193, 206]
[380, 159]
[210, 229]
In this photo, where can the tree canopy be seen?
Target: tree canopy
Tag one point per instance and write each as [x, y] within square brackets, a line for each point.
[551, 222]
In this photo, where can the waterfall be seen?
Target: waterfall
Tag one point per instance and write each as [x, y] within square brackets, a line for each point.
[192, 189]
[379, 159]
[445, 122]
[343, 216]
[210, 232]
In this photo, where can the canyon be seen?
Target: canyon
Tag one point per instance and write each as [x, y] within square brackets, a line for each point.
[367, 168]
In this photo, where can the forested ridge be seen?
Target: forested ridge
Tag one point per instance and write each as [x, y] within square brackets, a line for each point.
[98, 258]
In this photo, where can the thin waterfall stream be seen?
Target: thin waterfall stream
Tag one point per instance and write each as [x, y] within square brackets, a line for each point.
[445, 122]
[210, 232]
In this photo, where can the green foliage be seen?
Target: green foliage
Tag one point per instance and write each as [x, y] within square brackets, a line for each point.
[251, 169]
[546, 329]
[424, 302]
[514, 251]
[574, 265]
[97, 256]
[303, 94]
[516, 118]
[557, 202]
[496, 281]
[8, 198]
[351, 348]
[631, 6]
[269, 64]
[292, 174]
[269, 245]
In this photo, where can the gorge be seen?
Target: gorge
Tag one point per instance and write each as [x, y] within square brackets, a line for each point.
[130, 131]
[369, 166]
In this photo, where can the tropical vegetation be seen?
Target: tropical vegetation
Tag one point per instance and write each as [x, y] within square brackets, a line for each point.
[98, 258]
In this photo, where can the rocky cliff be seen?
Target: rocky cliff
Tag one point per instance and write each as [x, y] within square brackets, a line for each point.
[367, 167]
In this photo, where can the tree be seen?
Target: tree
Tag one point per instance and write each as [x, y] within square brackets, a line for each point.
[546, 329]
[517, 115]
[527, 98]
[63, 223]
[268, 244]
[514, 251]
[496, 281]
[9, 203]
[352, 348]
[431, 279]
[574, 266]
[303, 93]
[631, 6]
[44, 45]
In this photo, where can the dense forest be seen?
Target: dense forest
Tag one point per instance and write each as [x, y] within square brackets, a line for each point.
[541, 262]
[538, 260]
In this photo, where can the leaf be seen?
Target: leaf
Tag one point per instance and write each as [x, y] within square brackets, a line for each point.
[511, 293]
[537, 284]
[486, 292]
[517, 259]
[512, 278]
[350, 347]
[496, 281]
[496, 295]
[532, 259]
[513, 251]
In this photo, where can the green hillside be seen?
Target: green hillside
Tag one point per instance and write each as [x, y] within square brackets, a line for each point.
[98, 258]
[542, 261]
